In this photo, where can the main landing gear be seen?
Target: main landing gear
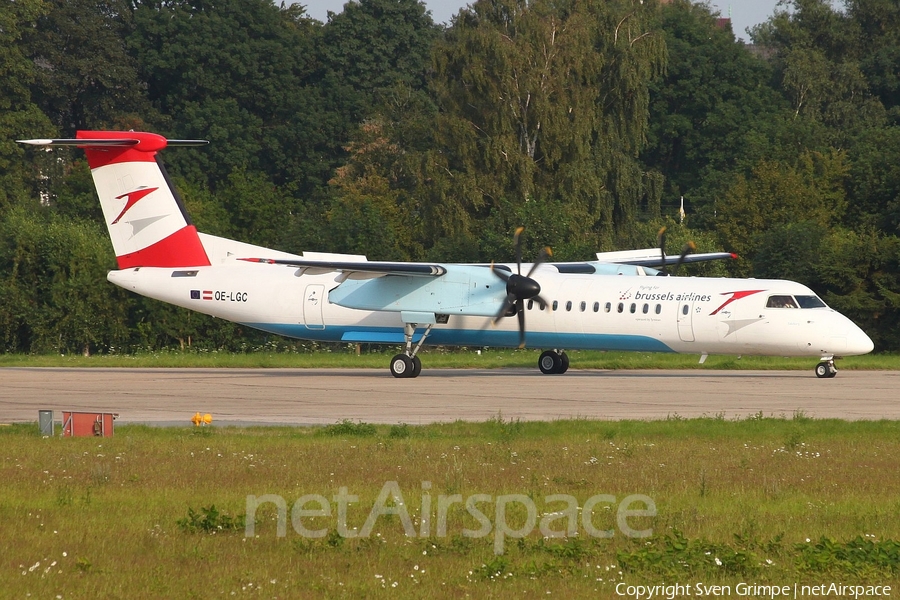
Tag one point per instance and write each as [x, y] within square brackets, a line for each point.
[407, 364]
[825, 369]
[552, 362]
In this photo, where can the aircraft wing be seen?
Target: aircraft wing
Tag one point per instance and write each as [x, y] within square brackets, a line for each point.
[357, 269]
[651, 257]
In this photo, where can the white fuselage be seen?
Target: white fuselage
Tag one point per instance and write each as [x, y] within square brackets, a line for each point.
[592, 311]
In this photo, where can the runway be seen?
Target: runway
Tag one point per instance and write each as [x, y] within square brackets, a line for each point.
[324, 396]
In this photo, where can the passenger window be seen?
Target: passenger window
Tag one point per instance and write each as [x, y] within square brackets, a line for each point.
[781, 302]
[542, 305]
[530, 304]
[583, 305]
[685, 309]
[555, 305]
[608, 307]
[658, 308]
[597, 307]
[646, 308]
[569, 305]
[633, 307]
[621, 307]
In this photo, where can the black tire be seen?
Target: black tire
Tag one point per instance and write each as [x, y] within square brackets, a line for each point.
[822, 370]
[402, 366]
[563, 363]
[417, 367]
[549, 362]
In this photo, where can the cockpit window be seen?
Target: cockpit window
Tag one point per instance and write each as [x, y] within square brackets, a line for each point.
[781, 302]
[810, 302]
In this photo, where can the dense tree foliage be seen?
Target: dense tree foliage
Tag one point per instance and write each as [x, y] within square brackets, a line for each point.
[380, 133]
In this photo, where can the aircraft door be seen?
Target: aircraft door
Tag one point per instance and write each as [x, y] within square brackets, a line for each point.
[686, 321]
[313, 300]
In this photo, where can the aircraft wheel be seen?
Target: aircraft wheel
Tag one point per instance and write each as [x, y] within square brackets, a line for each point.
[563, 363]
[825, 370]
[402, 366]
[549, 362]
[417, 367]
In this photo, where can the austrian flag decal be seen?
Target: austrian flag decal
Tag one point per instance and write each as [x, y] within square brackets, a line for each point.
[206, 294]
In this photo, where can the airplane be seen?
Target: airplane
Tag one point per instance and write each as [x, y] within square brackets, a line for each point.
[613, 303]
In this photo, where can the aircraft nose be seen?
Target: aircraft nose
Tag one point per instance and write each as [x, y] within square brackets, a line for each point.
[858, 342]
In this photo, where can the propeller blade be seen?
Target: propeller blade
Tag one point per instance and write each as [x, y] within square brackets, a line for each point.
[517, 240]
[520, 306]
[661, 242]
[543, 303]
[500, 273]
[508, 303]
[688, 248]
[520, 288]
[546, 253]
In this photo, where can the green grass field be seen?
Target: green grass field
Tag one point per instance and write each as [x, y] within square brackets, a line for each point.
[158, 513]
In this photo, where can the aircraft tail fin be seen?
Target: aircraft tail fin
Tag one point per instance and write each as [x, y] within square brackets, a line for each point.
[144, 214]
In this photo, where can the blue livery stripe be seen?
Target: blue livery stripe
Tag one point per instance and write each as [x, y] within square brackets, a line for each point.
[469, 337]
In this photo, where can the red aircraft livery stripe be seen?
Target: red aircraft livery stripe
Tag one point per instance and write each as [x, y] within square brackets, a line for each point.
[132, 199]
[735, 296]
[144, 151]
[181, 249]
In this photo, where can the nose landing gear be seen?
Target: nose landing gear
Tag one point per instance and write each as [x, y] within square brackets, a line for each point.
[825, 369]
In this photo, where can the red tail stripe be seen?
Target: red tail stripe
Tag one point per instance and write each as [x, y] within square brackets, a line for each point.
[181, 249]
[145, 150]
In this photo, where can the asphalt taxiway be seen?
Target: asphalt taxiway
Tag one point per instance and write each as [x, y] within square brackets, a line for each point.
[324, 396]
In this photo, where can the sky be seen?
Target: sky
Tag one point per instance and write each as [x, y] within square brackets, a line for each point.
[744, 13]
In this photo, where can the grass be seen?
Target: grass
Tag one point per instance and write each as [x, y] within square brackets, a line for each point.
[437, 358]
[156, 513]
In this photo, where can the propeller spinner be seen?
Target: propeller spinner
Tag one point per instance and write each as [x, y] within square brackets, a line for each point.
[520, 288]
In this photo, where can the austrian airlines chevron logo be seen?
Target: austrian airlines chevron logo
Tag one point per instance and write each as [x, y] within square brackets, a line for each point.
[132, 199]
[735, 296]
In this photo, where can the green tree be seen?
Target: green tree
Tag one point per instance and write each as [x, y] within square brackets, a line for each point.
[714, 98]
[53, 291]
[85, 79]
[371, 213]
[776, 193]
[257, 209]
[875, 180]
[372, 47]
[817, 55]
[242, 74]
[878, 25]
[542, 100]
[19, 115]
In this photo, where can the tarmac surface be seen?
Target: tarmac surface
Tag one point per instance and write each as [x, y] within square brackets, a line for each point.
[325, 396]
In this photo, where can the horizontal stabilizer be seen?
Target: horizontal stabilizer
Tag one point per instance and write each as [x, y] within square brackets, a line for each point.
[87, 143]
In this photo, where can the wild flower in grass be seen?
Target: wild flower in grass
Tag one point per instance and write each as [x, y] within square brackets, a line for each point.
[718, 562]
